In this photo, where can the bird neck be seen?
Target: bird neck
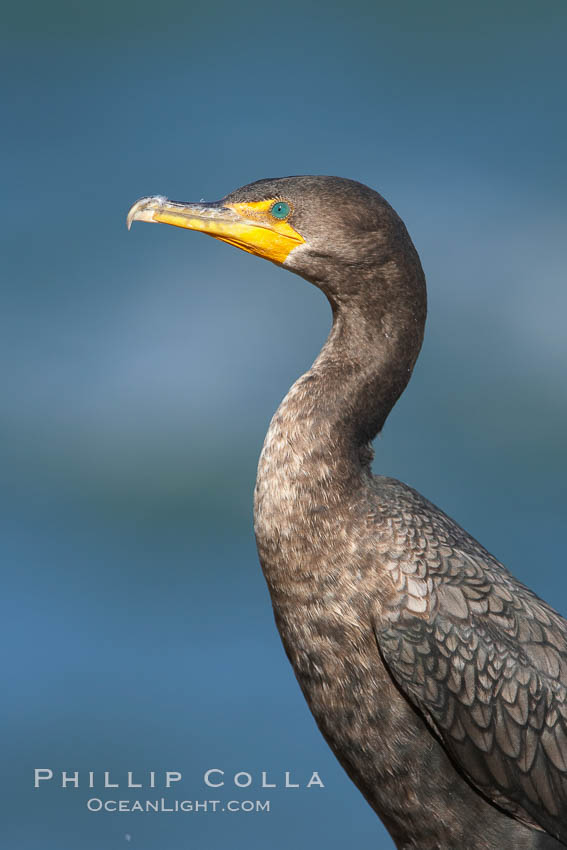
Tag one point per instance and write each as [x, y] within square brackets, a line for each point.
[363, 368]
[316, 452]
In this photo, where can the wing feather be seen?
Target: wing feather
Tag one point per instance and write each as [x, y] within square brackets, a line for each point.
[486, 666]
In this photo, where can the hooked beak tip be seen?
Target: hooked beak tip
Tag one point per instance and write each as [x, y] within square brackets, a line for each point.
[144, 209]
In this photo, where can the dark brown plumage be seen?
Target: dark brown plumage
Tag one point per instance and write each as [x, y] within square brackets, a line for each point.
[438, 680]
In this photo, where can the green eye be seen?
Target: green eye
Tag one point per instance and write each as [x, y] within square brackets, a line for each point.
[280, 210]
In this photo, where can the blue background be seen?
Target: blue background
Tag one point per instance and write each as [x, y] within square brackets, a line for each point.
[140, 370]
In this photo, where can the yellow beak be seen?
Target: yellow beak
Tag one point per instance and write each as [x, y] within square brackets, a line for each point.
[246, 225]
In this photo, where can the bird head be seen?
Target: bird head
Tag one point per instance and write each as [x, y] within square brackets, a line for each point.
[330, 230]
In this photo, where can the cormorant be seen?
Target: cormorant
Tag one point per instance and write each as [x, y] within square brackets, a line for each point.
[438, 680]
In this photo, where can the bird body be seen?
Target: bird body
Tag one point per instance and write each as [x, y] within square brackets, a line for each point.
[318, 508]
[438, 680]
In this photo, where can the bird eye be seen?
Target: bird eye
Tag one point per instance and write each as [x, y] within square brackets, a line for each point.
[280, 210]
